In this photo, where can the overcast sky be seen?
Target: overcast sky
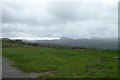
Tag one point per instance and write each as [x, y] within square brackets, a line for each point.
[45, 19]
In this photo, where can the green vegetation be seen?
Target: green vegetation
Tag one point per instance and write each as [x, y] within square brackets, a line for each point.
[64, 63]
[0, 48]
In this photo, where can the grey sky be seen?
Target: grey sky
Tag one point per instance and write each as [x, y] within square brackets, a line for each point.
[52, 19]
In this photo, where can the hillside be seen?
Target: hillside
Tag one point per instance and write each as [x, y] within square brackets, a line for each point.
[51, 62]
[98, 43]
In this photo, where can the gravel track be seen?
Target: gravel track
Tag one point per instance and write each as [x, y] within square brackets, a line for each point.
[8, 71]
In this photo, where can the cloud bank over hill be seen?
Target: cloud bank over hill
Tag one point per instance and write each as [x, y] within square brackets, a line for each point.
[53, 19]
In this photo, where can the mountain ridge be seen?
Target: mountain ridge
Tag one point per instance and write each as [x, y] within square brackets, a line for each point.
[80, 42]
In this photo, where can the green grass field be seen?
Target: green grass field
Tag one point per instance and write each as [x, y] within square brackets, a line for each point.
[64, 63]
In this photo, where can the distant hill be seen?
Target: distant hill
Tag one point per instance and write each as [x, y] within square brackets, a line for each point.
[5, 39]
[63, 42]
[88, 43]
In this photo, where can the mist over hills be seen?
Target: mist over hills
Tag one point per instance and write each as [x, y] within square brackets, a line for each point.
[99, 43]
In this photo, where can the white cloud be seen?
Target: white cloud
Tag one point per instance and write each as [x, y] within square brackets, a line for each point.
[53, 19]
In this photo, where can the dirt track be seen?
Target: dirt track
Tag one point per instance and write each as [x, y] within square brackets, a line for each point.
[11, 72]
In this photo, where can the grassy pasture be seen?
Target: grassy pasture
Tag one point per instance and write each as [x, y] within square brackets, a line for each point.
[64, 63]
[60, 62]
